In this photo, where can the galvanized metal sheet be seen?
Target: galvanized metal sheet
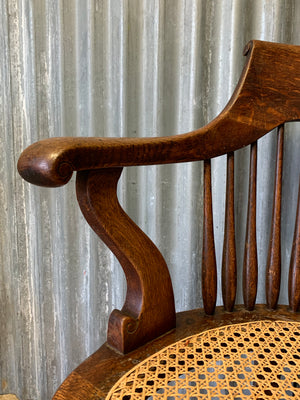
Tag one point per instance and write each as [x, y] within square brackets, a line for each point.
[117, 68]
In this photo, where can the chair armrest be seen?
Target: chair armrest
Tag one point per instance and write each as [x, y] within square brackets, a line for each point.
[266, 96]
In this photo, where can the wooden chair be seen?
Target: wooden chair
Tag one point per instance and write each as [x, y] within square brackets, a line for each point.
[233, 351]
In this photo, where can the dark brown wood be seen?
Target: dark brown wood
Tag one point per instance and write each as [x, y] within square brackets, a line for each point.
[149, 309]
[229, 279]
[250, 256]
[294, 273]
[209, 264]
[267, 95]
[273, 269]
[95, 376]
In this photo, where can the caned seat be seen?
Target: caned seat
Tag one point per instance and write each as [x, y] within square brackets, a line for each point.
[225, 352]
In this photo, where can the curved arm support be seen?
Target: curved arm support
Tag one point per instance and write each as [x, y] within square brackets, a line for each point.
[149, 309]
[266, 96]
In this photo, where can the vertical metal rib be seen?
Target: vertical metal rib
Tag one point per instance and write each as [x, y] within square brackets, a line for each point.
[250, 256]
[273, 269]
[229, 251]
[209, 265]
[294, 274]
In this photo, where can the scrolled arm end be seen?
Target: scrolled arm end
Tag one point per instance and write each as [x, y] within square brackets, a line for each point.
[44, 164]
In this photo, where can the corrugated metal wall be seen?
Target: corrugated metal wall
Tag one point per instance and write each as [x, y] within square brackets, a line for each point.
[116, 68]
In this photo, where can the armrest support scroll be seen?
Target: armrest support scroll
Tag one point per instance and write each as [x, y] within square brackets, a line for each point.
[149, 309]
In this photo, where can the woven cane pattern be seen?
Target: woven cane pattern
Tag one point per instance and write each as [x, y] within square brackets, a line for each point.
[256, 360]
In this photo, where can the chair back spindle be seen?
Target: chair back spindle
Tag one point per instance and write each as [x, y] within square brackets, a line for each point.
[209, 264]
[250, 256]
[273, 269]
[229, 280]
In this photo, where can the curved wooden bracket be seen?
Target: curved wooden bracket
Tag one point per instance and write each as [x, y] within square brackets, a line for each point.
[149, 309]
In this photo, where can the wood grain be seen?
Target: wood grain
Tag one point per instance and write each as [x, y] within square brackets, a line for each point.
[250, 257]
[229, 278]
[209, 264]
[273, 269]
[149, 309]
[267, 95]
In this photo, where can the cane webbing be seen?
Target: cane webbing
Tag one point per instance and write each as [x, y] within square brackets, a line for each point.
[255, 360]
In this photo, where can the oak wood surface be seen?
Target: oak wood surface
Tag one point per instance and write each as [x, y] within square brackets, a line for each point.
[229, 271]
[250, 266]
[273, 268]
[209, 263]
[149, 309]
[267, 95]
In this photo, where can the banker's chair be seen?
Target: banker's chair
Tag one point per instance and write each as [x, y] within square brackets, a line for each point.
[229, 352]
